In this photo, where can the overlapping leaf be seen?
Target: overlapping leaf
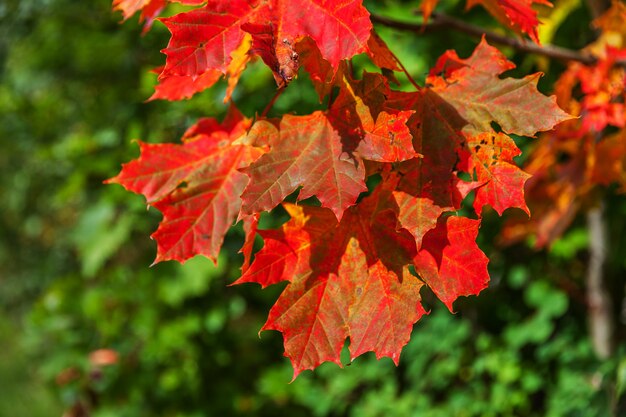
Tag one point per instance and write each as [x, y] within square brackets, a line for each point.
[571, 164]
[205, 39]
[450, 262]
[475, 90]
[323, 152]
[324, 21]
[195, 185]
[490, 159]
[307, 151]
[347, 279]
[429, 185]
[473, 87]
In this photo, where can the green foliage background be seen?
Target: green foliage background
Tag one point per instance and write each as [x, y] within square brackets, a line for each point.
[74, 257]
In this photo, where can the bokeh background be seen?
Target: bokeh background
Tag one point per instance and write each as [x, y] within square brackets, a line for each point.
[75, 256]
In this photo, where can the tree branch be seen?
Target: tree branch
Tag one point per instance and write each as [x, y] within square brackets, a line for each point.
[598, 298]
[440, 21]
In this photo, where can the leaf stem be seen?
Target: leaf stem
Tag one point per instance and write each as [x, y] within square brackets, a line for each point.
[273, 100]
[408, 76]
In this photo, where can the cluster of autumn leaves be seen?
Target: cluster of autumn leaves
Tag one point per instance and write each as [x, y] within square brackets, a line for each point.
[571, 164]
[348, 258]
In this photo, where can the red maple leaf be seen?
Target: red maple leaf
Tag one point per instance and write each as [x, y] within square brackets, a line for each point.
[429, 185]
[450, 262]
[323, 152]
[350, 278]
[306, 151]
[347, 279]
[475, 90]
[195, 185]
[489, 158]
[324, 21]
[204, 39]
[322, 74]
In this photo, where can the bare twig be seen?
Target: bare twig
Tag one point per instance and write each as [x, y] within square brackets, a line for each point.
[440, 21]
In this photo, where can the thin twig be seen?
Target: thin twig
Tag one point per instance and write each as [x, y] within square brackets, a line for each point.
[440, 21]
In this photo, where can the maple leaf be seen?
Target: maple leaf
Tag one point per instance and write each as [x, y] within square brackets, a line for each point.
[515, 14]
[388, 139]
[280, 24]
[417, 214]
[490, 158]
[473, 87]
[415, 209]
[450, 262]
[286, 254]
[345, 281]
[381, 134]
[322, 74]
[436, 129]
[307, 151]
[324, 21]
[203, 39]
[429, 186]
[195, 185]
[324, 152]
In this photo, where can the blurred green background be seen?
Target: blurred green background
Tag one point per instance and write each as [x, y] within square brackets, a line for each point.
[75, 256]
